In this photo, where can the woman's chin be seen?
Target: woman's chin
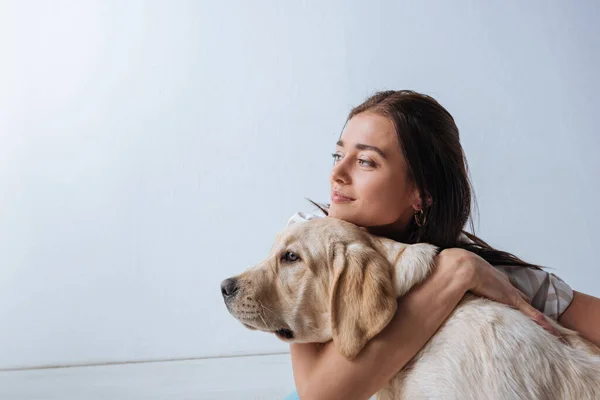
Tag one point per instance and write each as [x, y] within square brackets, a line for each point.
[336, 211]
[343, 212]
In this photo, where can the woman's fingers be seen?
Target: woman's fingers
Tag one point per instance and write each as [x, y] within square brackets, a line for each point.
[537, 317]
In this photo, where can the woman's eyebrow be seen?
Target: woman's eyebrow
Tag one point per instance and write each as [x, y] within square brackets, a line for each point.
[361, 146]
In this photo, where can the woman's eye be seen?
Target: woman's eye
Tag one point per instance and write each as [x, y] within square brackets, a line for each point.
[366, 163]
[290, 257]
[362, 162]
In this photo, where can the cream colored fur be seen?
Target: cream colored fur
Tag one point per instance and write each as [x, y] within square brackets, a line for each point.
[345, 287]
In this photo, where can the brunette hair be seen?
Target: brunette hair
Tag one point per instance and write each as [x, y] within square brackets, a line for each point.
[430, 143]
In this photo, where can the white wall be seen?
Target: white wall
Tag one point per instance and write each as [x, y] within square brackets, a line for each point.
[150, 149]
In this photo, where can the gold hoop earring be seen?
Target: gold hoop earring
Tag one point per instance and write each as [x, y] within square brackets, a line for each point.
[420, 218]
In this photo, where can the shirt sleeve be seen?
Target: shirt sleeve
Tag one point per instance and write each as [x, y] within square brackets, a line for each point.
[301, 217]
[548, 293]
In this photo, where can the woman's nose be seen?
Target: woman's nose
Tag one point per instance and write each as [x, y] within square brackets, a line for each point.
[339, 173]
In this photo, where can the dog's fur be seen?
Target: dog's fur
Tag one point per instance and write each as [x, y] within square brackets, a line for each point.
[345, 286]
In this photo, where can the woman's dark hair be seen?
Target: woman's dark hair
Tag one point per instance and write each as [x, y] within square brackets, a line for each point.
[429, 140]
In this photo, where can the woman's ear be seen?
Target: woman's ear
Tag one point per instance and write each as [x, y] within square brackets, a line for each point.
[363, 298]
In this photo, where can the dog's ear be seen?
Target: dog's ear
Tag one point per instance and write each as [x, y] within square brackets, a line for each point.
[362, 296]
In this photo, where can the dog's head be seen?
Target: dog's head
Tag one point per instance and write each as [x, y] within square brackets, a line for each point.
[323, 279]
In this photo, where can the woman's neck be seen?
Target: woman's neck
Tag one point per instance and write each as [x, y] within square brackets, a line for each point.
[396, 231]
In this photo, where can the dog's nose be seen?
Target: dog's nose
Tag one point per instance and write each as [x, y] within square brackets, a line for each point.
[229, 287]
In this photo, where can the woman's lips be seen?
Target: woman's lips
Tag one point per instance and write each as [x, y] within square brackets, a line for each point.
[337, 197]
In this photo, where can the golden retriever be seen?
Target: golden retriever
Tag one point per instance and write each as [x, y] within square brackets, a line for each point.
[328, 279]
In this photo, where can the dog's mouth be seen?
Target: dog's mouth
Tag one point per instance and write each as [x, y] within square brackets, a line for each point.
[252, 323]
[284, 334]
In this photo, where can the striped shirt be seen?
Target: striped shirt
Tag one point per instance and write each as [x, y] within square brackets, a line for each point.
[548, 293]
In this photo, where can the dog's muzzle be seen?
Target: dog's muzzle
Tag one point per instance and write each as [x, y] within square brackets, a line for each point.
[248, 312]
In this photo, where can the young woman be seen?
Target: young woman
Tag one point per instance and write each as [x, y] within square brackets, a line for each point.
[400, 171]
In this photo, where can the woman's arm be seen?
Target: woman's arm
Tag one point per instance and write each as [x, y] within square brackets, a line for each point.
[583, 316]
[320, 372]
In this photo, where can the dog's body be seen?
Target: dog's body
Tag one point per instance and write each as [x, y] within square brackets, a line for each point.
[342, 283]
[488, 351]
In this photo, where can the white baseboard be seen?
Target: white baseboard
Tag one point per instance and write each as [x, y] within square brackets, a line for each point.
[267, 377]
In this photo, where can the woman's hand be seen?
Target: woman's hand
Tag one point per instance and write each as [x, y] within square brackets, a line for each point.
[484, 280]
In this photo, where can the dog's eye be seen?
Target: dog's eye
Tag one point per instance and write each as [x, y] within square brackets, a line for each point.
[290, 257]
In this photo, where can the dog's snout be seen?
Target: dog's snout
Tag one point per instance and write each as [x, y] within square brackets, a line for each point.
[229, 287]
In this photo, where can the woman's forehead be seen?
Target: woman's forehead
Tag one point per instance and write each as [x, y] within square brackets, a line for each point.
[372, 130]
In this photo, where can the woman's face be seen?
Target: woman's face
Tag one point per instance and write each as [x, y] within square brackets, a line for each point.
[370, 186]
